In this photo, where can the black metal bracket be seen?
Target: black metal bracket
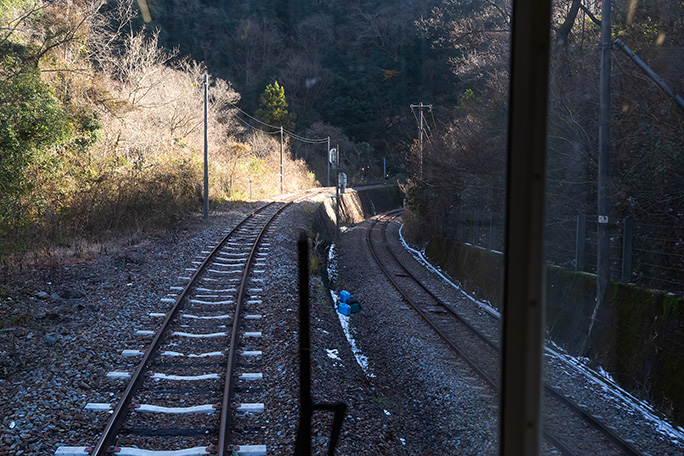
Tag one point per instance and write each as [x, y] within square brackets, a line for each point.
[307, 406]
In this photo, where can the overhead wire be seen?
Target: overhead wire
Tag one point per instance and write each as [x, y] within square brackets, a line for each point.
[434, 122]
[415, 117]
[306, 140]
[255, 128]
[249, 125]
[256, 120]
[278, 129]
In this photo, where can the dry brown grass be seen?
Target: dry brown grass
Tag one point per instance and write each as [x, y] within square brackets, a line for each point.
[134, 161]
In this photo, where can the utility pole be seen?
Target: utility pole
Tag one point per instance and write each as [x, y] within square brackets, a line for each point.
[603, 240]
[420, 132]
[337, 194]
[205, 209]
[328, 160]
[281, 159]
[651, 74]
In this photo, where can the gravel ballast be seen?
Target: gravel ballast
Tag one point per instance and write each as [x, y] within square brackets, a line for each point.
[64, 327]
[437, 406]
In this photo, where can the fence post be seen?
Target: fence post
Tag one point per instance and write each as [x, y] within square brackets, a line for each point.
[579, 241]
[492, 230]
[464, 227]
[476, 227]
[627, 250]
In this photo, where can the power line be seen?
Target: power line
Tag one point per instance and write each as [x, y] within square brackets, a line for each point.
[307, 140]
[434, 122]
[255, 128]
[257, 120]
[293, 135]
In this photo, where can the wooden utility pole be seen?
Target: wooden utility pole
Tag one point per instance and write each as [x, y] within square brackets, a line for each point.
[420, 132]
[337, 194]
[205, 208]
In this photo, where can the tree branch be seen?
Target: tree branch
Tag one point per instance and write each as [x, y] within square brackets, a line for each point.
[564, 30]
[591, 16]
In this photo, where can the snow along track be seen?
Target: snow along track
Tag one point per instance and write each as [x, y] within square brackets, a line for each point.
[571, 430]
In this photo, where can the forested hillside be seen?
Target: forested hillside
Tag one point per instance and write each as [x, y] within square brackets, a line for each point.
[465, 164]
[350, 69]
[99, 102]
[357, 65]
[101, 130]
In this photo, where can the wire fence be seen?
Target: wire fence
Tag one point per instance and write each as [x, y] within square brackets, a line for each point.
[644, 253]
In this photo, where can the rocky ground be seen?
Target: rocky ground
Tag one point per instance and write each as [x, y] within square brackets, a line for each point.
[436, 403]
[63, 327]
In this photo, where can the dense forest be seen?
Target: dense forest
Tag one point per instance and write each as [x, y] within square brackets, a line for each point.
[360, 65]
[101, 130]
[354, 66]
[100, 104]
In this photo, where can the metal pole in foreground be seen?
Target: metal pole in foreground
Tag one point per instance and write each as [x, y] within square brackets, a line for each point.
[522, 335]
[303, 442]
[205, 209]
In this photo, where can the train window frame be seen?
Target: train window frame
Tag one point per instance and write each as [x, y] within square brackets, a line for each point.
[523, 313]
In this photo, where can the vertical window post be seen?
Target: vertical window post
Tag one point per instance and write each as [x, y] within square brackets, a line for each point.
[523, 314]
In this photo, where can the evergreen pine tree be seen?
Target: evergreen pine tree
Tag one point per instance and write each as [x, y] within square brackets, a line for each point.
[273, 107]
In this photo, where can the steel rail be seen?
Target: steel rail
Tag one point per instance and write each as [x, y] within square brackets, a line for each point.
[617, 440]
[551, 437]
[224, 443]
[121, 410]
[439, 300]
[226, 416]
[421, 314]
[490, 382]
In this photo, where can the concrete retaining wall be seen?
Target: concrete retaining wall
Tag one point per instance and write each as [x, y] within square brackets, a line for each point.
[638, 336]
[355, 207]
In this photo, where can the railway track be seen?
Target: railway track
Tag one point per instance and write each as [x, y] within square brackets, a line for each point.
[568, 428]
[196, 389]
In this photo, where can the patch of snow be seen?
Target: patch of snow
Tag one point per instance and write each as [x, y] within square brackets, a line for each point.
[334, 354]
[332, 264]
[361, 359]
[420, 257]
[613, 393]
